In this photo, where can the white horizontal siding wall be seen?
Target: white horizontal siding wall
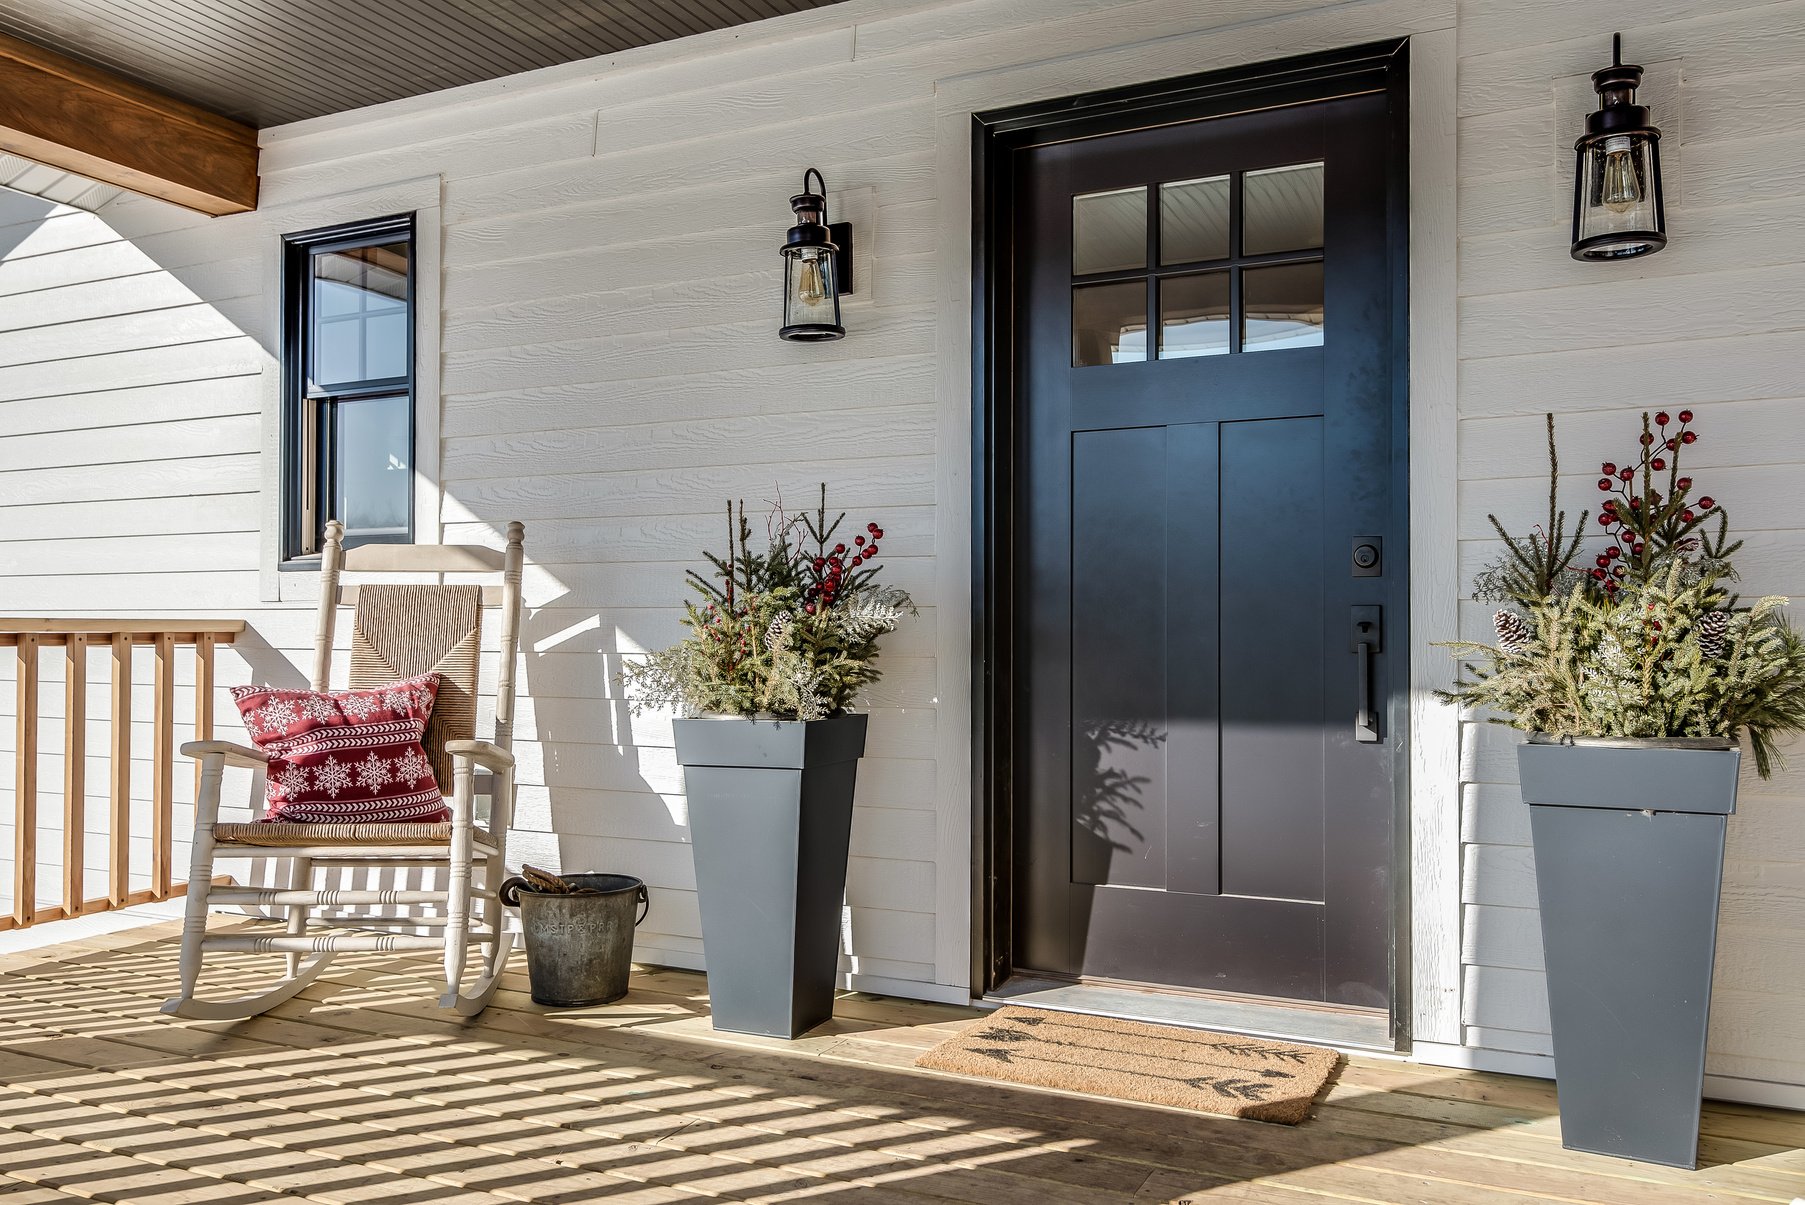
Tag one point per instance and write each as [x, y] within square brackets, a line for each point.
[609, 373]
[129, 479]
[1715, 323]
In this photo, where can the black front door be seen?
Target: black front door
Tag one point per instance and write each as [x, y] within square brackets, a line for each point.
[1208, 553]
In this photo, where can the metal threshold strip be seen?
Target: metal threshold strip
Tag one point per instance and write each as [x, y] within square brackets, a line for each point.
[1333, 1025]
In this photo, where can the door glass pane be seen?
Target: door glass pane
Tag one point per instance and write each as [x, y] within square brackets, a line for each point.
[1193, 220]
[1282, 209]
[1109, 231]
[1281, 307]
[360, 319]
[1193, 315]
[1109, 323]
[372, 474]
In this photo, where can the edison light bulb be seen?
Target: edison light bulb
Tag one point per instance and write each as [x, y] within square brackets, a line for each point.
[809, 286]
[1621, 191]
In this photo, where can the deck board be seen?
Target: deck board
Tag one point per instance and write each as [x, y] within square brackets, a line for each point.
[359, 1090]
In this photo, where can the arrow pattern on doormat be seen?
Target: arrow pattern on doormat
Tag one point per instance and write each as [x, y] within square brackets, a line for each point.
[1006, 1033]
[1241, 1089]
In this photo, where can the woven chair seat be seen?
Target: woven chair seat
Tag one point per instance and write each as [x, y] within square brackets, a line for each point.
[279, 833]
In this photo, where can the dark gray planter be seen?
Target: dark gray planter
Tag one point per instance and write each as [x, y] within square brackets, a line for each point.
[770, 816]
[1629, 851]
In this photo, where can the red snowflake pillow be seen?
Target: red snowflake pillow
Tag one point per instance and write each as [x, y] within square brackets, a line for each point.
[348, 757]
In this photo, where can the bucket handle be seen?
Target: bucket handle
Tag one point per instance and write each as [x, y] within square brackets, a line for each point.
[509, 894]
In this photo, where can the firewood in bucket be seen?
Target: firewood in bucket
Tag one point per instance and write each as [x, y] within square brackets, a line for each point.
[550, 884]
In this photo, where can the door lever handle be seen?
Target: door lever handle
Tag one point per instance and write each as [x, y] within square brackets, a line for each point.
[1368, 637]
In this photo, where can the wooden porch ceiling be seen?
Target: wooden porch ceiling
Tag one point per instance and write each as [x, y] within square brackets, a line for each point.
[164, 97]
[359, 1090]
[266, 64]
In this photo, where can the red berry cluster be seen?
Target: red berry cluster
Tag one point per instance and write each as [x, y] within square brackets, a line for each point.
[1637, 513]
[832, 567]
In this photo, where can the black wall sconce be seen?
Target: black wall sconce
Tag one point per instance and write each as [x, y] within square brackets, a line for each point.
[817, 268]
[1617, 211]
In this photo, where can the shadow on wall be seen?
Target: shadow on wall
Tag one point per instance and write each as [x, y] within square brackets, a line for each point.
[172, 378]
[20, 215]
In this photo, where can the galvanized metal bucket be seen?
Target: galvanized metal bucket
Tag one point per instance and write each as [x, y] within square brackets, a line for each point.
[579, 948]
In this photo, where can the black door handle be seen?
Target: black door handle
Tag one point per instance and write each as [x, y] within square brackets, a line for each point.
[1368, 638]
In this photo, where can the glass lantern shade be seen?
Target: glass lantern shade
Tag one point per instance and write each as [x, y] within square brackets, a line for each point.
[811, 293]
[1617, 210]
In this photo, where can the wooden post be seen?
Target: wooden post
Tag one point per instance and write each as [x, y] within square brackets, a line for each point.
[162, 792]
[204, 643]
[119, 830]
[25, 787]
[75, 771]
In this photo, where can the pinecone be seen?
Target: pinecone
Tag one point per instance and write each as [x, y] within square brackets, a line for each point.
[1514, 634]
[1711, 629]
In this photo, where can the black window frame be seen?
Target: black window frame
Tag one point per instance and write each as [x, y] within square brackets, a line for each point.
[309, 413]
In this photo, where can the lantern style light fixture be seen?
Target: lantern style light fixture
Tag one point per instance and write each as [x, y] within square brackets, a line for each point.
[817, 268]
[1617, 211]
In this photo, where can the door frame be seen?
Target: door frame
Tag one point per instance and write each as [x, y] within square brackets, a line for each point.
[995, 136]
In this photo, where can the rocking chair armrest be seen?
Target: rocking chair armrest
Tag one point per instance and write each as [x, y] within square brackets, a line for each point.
[234, 755]
[484, 753]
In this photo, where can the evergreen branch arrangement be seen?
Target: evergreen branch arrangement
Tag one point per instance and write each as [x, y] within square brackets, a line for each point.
[787, 633]
[1648, 640]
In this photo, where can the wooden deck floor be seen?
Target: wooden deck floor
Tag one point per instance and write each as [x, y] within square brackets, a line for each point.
[361, 1092]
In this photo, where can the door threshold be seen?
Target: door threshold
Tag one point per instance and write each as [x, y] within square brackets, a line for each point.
[1299, 1021]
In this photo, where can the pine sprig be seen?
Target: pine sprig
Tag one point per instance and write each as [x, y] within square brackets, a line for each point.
[1649, 641]
[790, 632]
[1538, 565]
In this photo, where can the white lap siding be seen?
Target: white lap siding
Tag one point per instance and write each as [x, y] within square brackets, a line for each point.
[609, 372]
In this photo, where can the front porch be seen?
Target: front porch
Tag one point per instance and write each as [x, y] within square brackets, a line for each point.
[360, 1090]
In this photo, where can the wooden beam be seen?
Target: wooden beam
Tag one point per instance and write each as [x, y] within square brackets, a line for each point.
[82, 119]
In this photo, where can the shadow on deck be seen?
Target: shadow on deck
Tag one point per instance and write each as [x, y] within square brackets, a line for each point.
[359, 1090]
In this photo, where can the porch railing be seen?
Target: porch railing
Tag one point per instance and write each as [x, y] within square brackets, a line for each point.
[113, 639]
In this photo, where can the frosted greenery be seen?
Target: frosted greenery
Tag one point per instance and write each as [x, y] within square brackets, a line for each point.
[791, 632]
[1647, 640]
[1639, 665]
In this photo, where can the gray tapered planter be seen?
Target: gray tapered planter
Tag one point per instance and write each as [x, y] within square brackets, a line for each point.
[770, 816]
[1629, 851]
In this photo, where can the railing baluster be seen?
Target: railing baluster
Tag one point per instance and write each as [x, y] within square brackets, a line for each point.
[75, 771]
[25, 787]
[162, 791]
[119, 637]
[119, 833]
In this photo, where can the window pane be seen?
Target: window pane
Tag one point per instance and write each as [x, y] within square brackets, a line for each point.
[1193, 316]
[1281, 307]
[1282, 209]
[1109, 231]
[337, 343]
[1109, 323]
[1193, 220]
[385, 347]
[372, 472]
[359, 315]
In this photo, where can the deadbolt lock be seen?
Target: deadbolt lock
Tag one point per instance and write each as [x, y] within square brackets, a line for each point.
[1369, 556]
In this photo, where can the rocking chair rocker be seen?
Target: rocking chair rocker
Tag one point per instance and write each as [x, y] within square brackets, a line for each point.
[398, 631]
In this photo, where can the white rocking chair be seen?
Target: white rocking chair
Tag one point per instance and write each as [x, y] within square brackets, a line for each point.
[398, 631]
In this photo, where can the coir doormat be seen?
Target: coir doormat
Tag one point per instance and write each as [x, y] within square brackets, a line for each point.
[1222, 1073]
